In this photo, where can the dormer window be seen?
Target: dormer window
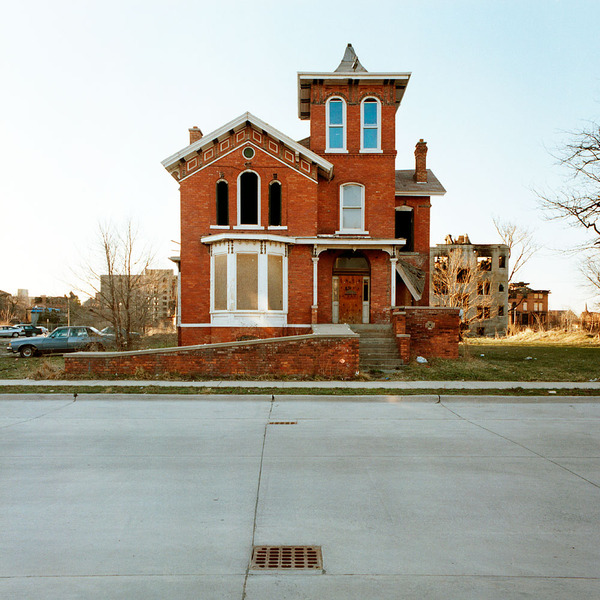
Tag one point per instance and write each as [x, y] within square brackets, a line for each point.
[370, 116]
[352, 208]
[336, 125]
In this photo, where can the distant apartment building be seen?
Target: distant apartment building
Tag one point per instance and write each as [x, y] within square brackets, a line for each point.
[528, 307]
[473, 277]
[153, 292]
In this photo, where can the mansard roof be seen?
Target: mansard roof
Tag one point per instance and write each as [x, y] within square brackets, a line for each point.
[209, 140]
[407, 186]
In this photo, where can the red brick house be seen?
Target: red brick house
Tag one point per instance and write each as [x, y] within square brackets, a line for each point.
[528, 307]
[279, 235]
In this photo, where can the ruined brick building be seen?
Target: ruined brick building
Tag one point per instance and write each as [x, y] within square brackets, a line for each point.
[474, 277]
[278, 235]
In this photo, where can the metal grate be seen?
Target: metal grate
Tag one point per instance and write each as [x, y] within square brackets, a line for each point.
[306, 558]
[283, 422]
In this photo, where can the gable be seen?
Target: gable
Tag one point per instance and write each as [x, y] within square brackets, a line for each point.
[246, 130]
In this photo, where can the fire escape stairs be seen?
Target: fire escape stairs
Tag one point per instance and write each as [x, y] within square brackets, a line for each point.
[377, 348]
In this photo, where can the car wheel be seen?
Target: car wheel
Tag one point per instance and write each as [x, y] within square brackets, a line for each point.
[27, 351]
[15, 334]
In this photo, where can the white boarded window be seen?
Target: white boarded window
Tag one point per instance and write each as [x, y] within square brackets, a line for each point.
[247, 282]
[221, 282]
[275, 281]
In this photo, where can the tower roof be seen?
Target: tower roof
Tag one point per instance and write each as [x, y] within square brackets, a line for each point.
[349, 71]
[350, 62]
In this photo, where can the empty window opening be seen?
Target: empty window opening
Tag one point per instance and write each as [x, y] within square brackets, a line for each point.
[502, 261]
[501, 311]
[222, 203]
[500, 287]
[484, 263]
[405, 227]
[483, 289]
[275, 203]
[248, 198]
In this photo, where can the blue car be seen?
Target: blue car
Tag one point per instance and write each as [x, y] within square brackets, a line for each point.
[61, 340]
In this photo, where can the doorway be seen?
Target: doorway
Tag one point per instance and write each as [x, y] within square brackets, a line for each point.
[351, 283]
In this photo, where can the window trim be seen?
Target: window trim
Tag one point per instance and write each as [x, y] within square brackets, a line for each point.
[363, 126]
[328, 148]
[241, 225]
[360, 231]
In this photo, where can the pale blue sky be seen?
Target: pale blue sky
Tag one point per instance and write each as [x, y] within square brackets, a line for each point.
[96, 93]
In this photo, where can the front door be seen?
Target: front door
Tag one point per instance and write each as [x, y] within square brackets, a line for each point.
[351, 298]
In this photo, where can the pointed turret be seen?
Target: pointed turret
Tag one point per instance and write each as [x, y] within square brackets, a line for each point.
[350, 62]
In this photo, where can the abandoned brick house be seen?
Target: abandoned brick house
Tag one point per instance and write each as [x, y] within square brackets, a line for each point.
[474, 277]
[278, 235]
[528, 307]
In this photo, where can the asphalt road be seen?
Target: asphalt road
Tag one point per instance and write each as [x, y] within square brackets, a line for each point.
[145, 497]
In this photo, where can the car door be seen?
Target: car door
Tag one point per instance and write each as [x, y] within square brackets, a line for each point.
[57, 341]
[78, 339]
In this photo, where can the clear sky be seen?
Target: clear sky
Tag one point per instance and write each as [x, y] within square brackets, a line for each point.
[96, 93]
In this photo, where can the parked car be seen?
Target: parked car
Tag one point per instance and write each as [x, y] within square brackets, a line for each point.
[10, 331]
[31, 330]
[110, 330]
[62, 339]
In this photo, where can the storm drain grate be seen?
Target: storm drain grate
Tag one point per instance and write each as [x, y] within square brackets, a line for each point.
[306, 558]
[283, 422]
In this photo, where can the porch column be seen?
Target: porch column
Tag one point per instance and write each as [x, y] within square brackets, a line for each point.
[314, 307]
[393, 261]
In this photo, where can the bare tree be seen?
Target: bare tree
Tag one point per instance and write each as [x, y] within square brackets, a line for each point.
[520, 241]
[579, 201]
[458, 281]
[115, 278]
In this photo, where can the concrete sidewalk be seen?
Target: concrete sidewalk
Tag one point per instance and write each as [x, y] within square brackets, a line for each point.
[121, 496]
[365, 385]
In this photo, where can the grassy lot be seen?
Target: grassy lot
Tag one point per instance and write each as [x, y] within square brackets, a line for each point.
[525, 357]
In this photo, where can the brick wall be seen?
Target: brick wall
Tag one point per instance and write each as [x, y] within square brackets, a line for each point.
[332, 357]
[427, 331]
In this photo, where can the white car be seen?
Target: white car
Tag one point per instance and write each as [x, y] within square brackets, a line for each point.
[10, 331]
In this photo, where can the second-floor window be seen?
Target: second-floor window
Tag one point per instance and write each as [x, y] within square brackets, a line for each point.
[275, 203]
[222, 203]
[352, 208]
[370, 114]
[248, 199]
[336, 125]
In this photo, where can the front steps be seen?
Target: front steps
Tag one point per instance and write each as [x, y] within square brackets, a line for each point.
[377, 348]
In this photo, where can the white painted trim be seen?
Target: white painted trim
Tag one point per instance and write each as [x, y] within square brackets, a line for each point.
[219, 227]
[419, 193]
[279, 227]
[344, 76]
[248, 142]
[287, 325]
[240, 123]
[248, 227]
[362, 209]
[378, 149]
[344, 127]
[259, 237]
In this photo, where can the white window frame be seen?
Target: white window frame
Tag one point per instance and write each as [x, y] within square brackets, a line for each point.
[361, 208]
[232, 317]
[363, 126]
[239, 203]
[328, 148]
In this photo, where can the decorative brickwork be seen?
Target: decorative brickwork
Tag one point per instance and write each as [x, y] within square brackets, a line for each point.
[332, 357]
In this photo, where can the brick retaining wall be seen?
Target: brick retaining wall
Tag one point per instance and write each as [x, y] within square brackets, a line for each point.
[329, 356]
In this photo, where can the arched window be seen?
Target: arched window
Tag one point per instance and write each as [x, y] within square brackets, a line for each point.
[222, 203]
[248, 199]
[275, 203]
[336, 125]
[370, 117]
[352, 208]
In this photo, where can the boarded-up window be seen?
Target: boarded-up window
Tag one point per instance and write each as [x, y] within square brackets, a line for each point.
[247, 281]
[221, 282]
[275, 278]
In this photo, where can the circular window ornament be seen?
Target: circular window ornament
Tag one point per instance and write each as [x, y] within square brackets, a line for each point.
[248, 152]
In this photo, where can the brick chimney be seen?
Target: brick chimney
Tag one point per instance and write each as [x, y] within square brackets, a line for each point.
[421, 162]
[195, 134]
